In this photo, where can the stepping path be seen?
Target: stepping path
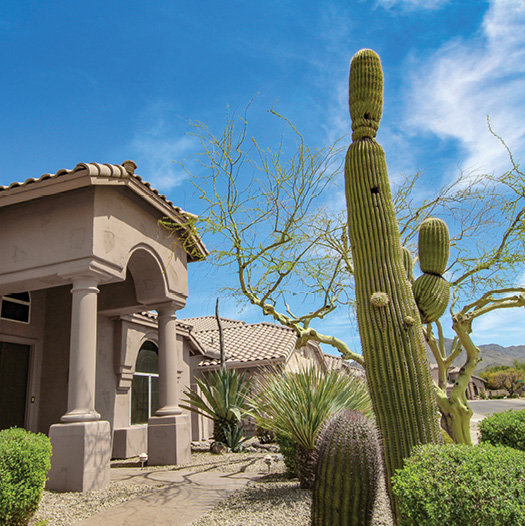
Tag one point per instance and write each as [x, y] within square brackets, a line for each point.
[182, 496]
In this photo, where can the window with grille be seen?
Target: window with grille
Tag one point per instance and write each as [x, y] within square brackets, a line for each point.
[16, 307]
[145, 385]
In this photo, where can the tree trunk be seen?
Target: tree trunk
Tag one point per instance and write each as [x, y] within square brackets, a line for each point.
[306, 464]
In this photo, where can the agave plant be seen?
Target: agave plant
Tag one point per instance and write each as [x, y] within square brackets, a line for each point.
[297, 404]
[223, 399]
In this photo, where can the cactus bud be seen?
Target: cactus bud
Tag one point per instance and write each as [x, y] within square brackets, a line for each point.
[379, 299]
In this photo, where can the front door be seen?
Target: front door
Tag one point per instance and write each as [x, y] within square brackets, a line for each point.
[14, 369]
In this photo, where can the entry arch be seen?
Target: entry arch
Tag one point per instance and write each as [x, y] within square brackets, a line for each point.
[149, 275]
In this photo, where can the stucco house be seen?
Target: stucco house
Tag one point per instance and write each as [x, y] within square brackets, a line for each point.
[82, 255]
[251, 348]
[476, 385]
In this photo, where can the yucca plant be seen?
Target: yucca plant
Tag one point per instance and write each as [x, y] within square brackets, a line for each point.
[223, 399]
[297, 404]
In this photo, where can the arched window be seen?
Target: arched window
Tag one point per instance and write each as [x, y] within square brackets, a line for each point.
[145, 386]
[16, 307]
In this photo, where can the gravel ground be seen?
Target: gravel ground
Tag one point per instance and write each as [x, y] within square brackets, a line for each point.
[262, 503]
[274, 500]
[65, 509]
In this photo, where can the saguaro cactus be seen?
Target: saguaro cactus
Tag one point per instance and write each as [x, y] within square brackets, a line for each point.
[431, 290]
[350, 474]
[394, 349]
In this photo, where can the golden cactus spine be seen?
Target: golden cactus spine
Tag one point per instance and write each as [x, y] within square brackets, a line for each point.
[389, 324]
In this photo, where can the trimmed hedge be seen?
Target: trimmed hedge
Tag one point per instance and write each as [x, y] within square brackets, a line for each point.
[462, 485]
[25, 459]
[505, 429]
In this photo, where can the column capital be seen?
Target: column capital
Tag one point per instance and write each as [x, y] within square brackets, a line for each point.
[168, 309]
[85, 284]
[87, 269]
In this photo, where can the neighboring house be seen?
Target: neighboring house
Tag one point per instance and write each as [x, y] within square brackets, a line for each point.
[476, 385]
[82, 255]
[338, 363]
[252, 348]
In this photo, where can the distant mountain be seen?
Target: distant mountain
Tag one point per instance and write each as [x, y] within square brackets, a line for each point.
[491, 354]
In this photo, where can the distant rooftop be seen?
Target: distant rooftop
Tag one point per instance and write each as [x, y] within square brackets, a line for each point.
[244, 343]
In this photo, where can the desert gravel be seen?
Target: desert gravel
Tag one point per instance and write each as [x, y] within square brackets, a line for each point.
[262, 503]
[274, 500]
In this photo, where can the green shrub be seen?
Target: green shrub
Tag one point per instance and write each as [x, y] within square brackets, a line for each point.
[25, 458]
[288, 450]
[462, 485]
[222, 397]
[505, 429]
[296, 404]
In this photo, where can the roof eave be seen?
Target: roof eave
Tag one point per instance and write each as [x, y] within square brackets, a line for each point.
[244, 365]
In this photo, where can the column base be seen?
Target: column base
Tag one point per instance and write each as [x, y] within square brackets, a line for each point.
[81, 455]
[169, 440]
[130, 441]
[80, 416]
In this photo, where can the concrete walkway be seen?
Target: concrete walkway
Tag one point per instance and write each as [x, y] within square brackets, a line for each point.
[182, 496]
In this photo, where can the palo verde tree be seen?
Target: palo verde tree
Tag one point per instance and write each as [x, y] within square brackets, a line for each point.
[274, 219]
[488, 248]
[262, 207]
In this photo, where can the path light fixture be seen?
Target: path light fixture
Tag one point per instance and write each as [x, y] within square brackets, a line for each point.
[143, 457]
[268, 461]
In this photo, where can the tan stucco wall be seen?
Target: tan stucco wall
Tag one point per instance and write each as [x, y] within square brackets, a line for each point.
[43, 237]
[122, 223]
[301, 359]
[55, 363]
[106, 379]
[50, 239]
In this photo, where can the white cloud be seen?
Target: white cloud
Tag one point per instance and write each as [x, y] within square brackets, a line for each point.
[159, 147]
[503, 327]
[158, 159]
[412, 5]
[454, 90]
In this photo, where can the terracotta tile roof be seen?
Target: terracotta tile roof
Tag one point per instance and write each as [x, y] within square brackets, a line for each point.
[209, 323]
[108, 172]
[126, 169]
[244, 343]
[337, 363]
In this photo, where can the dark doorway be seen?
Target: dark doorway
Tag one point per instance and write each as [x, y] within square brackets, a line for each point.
[14, 368]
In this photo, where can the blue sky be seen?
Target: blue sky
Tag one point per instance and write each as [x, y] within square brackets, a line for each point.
[108, 81]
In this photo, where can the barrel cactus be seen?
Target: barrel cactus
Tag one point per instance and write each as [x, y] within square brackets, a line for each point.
[391, 332]
[350, 474]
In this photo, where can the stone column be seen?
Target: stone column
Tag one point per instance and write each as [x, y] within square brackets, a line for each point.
[168, 362]
[82, 443]
[83, 352]
[169, 430]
